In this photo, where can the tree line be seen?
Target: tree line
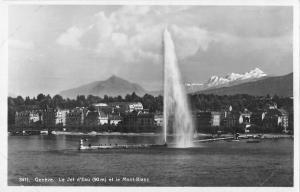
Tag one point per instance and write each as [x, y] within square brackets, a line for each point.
[238, 102]
[154, 103]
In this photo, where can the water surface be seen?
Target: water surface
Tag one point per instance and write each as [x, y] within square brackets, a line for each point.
[269, 163]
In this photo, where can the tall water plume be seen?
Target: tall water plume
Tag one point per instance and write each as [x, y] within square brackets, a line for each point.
[177, 114]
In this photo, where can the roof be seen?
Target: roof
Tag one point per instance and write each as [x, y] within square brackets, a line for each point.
[100, 105]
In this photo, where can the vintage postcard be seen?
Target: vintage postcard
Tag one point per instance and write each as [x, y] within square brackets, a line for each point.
[148, 94]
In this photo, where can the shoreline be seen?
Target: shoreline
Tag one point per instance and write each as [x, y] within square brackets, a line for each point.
[243, 135]
[103, 133]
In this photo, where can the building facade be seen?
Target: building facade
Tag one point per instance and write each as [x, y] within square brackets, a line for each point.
[49, 117]
[28, 118]
[136, 122]
[159, 120]
[75, 117]
[61, 116]
[216, 119]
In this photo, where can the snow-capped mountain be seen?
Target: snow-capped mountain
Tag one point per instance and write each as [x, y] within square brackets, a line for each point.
[228, 80]
[216, 81]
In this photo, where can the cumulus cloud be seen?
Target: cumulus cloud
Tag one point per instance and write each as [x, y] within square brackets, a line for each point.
[18, 44]
[190, 39]
[71, 37]
[127, 41]
[131, 33]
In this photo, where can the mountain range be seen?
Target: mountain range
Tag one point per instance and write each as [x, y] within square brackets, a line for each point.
[254, 82]
[229, 80]
[280, 85]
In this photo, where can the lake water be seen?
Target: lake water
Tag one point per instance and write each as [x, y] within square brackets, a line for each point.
[55, 160]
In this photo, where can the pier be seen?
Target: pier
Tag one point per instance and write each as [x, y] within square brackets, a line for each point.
[82, 146]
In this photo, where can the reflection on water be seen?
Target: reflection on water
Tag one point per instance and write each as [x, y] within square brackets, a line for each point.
[269, 163]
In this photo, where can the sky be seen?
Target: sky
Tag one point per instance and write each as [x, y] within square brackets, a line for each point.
[56, 47]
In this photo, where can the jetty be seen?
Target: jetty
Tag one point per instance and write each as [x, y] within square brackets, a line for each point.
[82, 146]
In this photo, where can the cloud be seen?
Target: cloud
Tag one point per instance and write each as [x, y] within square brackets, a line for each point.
[70, 38]
[134, 33]
[190, 39]
[102, 40]
[18, 44]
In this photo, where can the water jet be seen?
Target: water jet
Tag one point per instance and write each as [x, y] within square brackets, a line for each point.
[177, 114]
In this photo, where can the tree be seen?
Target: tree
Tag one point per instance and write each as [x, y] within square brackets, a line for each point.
[19, 100]
[40, 97]
[58, 101]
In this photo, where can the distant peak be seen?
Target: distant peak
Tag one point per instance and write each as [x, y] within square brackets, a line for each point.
[256, 70]
[113, 77]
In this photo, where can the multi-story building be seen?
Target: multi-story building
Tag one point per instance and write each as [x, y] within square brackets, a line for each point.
[159, 120]
[257, 117]
[28, 118]
[92, 118]
[138, 122]
[97, 118]
[49, 118]
[103, 118]
[215, 119]
[202, 120]
[230, 119]
[60, 118]
[126, 107]
[76, 117]
[245, 117]
[283, 119]
[275, 120]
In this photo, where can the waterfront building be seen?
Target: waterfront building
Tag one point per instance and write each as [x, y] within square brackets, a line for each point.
[92, 118]
[49, 116]
[159, 120]
[138, 122]
[257, 117]
[245, 120]
[28, 118]
[202, 120]
[103, 118]
[284, 119]
[275, 120]
[230, 119]
[215, 119]
[75, 117]
[245, 117]
[60, 118]
[96, 119]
